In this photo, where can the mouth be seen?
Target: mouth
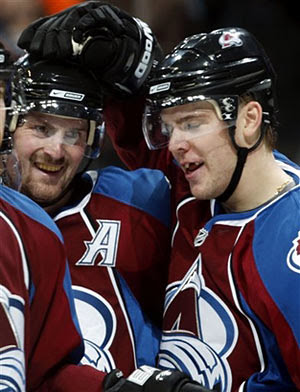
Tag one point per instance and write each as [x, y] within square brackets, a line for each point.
[48, 168]
[191, 167]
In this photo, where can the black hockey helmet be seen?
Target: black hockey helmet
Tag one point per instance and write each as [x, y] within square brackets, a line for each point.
[13, 94]
[65, 89]
[220, 66]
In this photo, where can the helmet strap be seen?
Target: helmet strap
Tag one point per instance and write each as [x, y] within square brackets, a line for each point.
[242, 153]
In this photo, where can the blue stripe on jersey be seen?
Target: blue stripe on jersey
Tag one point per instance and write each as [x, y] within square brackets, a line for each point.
[145, 189]
[275, 377]
[78, 352]
[145, 333]
[29, 208]
[16, 304]
[284, 159]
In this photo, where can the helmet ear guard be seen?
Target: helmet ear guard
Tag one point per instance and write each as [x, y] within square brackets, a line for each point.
[95, 140]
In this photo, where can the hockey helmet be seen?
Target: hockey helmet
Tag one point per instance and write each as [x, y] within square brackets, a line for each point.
[65, 89]
[12, 93]
[219, 66]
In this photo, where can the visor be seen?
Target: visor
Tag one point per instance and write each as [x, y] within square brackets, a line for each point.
[44, 129]
[10, 170]
[156, 133]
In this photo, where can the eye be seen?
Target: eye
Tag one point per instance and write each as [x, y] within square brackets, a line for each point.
[166, 130]
[40, 129]
[190, 125]
[74, 135]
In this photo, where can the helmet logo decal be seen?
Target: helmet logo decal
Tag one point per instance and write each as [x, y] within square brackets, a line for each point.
[2, 58]
[230, 38]
[228, 108]
[66, 95]
[159, 88]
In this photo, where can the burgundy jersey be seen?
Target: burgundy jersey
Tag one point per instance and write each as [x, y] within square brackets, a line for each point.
[117, 236]
[37, 322]
[231, 317]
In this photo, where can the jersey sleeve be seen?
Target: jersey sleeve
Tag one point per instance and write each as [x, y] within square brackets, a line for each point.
[272, 270]
[69, 378]
[124, 126]
[14, 285]
[39, 327]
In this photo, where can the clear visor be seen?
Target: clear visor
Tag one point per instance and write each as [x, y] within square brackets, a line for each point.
[202, 117]
[12, 92]
[10, 170]
[54, 123]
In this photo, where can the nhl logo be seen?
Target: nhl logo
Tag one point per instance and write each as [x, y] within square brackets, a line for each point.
[201, 237]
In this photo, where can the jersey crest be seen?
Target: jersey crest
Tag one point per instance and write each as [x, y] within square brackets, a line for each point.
[293, 257]
[98, 325]
[210, 339]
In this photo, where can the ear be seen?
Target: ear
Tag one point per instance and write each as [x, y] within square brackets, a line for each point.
[249, 122]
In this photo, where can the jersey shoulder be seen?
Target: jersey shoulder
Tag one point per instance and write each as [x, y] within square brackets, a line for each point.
[276, 249]
[27, 207]
[144, 189]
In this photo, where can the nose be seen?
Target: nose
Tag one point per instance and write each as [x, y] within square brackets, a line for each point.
[178, 141]
[54, 147]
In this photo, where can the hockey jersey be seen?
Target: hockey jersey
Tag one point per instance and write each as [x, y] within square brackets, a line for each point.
[117, 235]
[231, 317]
[39, 329]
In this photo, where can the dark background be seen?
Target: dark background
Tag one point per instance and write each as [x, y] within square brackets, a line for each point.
[275, 23]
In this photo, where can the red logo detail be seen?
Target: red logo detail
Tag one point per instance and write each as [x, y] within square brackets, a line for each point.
[229, 39]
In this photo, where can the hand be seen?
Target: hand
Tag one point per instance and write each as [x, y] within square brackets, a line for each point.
[119, 49]
[149, 379]
[51, 36]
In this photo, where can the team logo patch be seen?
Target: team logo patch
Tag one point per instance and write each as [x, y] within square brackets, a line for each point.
[230, 38]
[293, 257]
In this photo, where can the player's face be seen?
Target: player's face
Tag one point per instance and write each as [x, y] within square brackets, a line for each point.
[50, 149]
[200, 142]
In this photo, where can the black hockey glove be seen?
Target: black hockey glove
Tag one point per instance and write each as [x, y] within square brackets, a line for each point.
[120, 49]
[149, 379]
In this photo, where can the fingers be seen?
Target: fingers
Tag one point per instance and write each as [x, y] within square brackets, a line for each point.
[28, 34]
[97, 19]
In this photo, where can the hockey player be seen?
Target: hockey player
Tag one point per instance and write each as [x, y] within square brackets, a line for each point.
[229, 320]
[39, 330]
[115, 225]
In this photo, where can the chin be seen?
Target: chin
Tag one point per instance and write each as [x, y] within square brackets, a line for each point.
[39, 197]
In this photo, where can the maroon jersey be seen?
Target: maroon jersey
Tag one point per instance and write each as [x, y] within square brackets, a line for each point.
[117, 235]
[38, 327]
[229, 321]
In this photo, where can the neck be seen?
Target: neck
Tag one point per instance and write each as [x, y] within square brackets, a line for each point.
[57, 204]
[261, 181]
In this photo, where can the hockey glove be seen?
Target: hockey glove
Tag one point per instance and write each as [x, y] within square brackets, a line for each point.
[149, 379]
[119, 48]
